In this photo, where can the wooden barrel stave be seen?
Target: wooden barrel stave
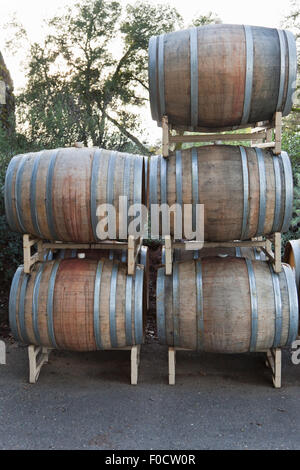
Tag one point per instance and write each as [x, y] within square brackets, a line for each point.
[292, 257]
[54, 194]
[231, 305]
[80, 305]
[246, 192]
[221, 76]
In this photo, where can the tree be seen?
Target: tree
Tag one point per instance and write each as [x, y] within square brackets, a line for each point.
[77, 89]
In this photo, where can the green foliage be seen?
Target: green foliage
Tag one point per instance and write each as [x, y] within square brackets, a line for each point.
[291, 144]
[10, 243]
[78, 90]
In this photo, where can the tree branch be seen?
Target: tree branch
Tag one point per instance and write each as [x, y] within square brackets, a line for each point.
[124, 131]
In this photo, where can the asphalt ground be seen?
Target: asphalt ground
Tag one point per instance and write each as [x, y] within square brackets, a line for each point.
[85, 401]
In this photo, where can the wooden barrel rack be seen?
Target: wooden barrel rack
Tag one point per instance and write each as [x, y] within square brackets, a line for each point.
[38, 355]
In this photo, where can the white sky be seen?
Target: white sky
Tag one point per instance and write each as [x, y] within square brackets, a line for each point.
[31, 14]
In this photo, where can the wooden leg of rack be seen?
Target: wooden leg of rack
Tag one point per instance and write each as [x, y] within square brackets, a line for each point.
[168, 255]
[277, 250]
[274, 362]
[38, 356]
[278, 131]
[131, 255]
[135, 361]
[172, 365]
[2, 353]
[165, 136]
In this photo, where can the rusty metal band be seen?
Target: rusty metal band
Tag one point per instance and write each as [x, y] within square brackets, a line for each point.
[278, 194]
[138, 305]
[49, 196]
[112, 307]
[94, 190]
[97, 289]
[128, 312]
[262, 192]
[35, 303]
[289, 190]
[161, 76]
[194, 76]
[282, 50]
[254, 305]
[245, 173]
[195, 186]
[199, 305]
[152, 71]
[278, 307]
[293, 304]
[249, 74]
[160, 306]
[50, 297]
[176, 305]
[13, 304]
[18, 192]
[34, 215]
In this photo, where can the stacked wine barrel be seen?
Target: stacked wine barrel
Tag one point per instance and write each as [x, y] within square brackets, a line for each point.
[214, 78]
[80, 300]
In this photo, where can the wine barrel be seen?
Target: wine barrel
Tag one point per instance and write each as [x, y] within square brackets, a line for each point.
[239, 252]
[54, 194]
[117, 255]
[77, 304]
[247, 192]
[292, 257]
[221, 76]
[231, 305]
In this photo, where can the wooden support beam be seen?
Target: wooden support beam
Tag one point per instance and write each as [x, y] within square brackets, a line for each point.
[278, 132]
[168, 255]
[215, 137]
[274, 362]
[248, 243]
[135, 361]
[165, 136]
[38, 356]
[172, 365]
[2, 353]
[131, 255]
[277, 252]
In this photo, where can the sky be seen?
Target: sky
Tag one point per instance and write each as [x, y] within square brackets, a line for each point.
[31, 14]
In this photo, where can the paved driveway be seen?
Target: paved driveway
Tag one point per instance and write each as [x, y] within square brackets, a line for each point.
[84, 401]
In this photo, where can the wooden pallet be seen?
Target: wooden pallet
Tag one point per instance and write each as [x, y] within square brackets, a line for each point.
[273, 360]
[264, 244]
[38, 356]
[42, 248]
[261, 135]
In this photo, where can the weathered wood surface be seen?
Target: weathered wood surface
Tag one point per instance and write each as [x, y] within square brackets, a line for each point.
[78, 304]
[221, 76]
[292, 257]
[242, 252]
[230, 305]
[55, 194]
[246, 192]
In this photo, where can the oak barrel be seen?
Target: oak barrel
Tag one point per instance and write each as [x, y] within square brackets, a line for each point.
[117, 255]
[54, 194]
[221, 76]
[231, 305]
[292, 257]
[240, 252]
[78, 304]
[247, 192]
